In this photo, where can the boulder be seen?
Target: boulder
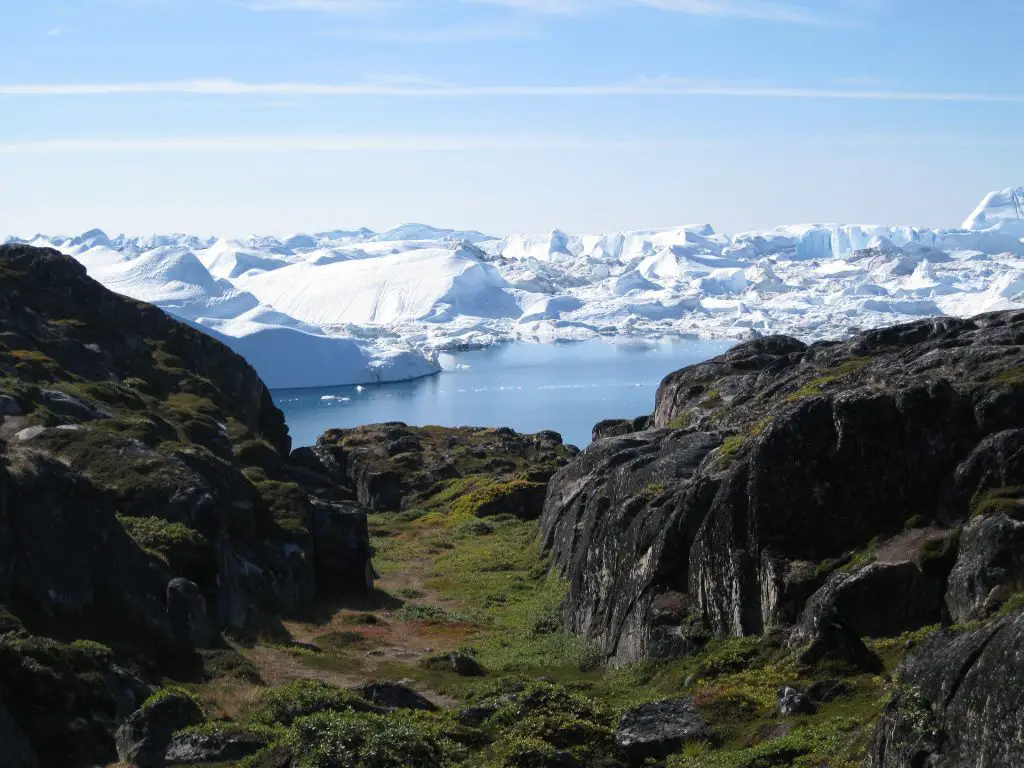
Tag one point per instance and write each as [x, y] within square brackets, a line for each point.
[877, 600]
[832, 642]
[341, 549]
[143, 739]
[392, 695]
[989, 568]
[465, 665]
[792, 702]
[656, 730]
[186, 609]
[958, 702]
[619, 427]
[213, 745]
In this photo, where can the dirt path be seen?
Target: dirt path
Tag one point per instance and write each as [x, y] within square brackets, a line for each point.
[386, 639]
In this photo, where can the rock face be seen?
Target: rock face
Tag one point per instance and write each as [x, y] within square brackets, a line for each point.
[959, 703]
[770, 467]
[147, 501]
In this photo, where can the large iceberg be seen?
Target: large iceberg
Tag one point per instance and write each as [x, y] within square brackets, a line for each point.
[357, 306]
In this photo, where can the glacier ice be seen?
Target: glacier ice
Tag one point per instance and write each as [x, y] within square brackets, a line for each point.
[357, 306]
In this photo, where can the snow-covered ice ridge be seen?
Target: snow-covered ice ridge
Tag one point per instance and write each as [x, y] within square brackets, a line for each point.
[354, 307]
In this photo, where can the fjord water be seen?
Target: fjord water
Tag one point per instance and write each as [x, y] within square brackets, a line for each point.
[567, 387]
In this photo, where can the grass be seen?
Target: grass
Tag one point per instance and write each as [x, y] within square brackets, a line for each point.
[1008, 501]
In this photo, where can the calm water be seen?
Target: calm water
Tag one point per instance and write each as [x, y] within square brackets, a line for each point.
[529, 387]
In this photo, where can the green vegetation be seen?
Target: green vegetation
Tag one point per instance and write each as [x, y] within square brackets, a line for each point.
[1006, 501]
[283, 706]
[1013, 377]
[830, 376]
[171, 692]
[177, 546]
[732, 446]
[682, 421]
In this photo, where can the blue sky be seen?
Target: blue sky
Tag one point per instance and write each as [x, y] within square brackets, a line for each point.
[238, 116]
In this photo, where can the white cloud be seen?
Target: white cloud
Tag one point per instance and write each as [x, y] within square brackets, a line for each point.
[665, 87]
[322, 6]
[769, 10]
[316, 143]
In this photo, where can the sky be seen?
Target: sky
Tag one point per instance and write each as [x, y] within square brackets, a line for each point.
[231, 117]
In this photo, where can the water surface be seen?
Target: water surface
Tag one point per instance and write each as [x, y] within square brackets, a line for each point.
[530, 387]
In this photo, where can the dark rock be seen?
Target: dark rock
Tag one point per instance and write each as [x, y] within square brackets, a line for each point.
[793, 457]
[143, 739]
[214, 745]
[186, 609]
[619, 427]
[64, 404]
[825, 691]
[475, 717]
[658, 729]
[989, 568]
[831, 642]
[9, 406]
[619, 521]
[465, 665]
[878, 600]
[996, 463]
[15, 748]
[341, 547]
[958, 703]
[392, 695]
[792, 702]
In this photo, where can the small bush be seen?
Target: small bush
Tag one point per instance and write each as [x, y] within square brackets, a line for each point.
[353, 740]
[284, 705]
[171, 692]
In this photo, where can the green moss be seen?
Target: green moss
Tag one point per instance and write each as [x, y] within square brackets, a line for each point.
[171, 692]
[183, 550]
[652, 491]
[732, 446]
[1013, 377]
[492, 498]
[829, 376]
[1007, 501]
[682, 421]
[286, 502]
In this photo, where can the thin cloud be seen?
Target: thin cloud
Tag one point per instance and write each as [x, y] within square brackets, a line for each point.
[664, 87]
[765, 10]
[324, 143]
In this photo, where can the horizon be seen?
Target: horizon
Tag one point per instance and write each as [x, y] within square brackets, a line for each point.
[504, 116]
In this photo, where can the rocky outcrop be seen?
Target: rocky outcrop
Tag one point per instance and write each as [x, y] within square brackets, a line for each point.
[990, 567]
[619, 522]
[393, 466]
[147, 501]
[773, 465]
[143, 739]
[912, 600]
[958, 703]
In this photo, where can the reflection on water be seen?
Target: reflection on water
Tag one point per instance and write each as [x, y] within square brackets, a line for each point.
[529, 387]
